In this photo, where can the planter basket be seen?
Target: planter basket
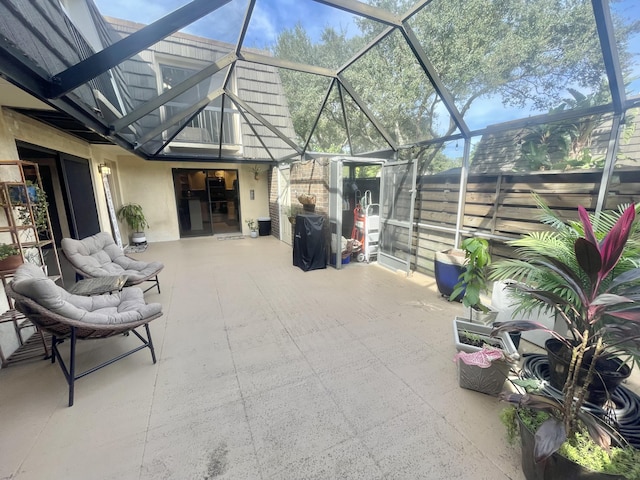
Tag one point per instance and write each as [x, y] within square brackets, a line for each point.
[485, 380]
[483, 371]
[554, 467]
[483, 331]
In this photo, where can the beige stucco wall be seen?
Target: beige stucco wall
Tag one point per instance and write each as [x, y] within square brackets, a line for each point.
[21, 128]
[148, 183]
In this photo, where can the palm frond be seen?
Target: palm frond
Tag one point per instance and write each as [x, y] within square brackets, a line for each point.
[544, 244]
[548, 216]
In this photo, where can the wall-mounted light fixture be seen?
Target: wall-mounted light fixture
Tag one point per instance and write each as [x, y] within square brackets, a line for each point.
[104, 170]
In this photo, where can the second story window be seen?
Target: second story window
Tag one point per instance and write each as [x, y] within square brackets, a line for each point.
[205, 127]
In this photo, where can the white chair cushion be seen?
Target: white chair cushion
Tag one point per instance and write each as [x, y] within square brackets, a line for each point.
[99, 256]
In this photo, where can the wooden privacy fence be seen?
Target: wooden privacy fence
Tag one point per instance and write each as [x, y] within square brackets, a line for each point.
[501, 205]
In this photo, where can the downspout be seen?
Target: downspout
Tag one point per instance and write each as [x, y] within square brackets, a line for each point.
[464, 175]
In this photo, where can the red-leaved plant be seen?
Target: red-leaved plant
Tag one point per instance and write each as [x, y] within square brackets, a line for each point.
[596, 297]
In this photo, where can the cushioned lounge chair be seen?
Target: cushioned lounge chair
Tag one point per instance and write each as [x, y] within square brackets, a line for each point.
[74, 317]
[99, 256]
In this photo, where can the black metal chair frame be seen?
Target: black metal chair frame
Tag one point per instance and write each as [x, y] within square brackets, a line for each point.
[155, 283]
[62, 328]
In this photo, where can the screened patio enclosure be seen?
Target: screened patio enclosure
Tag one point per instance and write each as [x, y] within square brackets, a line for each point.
[486, 100]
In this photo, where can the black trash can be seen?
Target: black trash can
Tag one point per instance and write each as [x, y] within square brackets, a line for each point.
[264, 226]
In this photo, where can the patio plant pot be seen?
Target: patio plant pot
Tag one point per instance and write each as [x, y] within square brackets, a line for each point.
[502, 340]
[11, 262]
[610, 372]
[447, 268]
[138, 238]
[556, 466]
[484, 380]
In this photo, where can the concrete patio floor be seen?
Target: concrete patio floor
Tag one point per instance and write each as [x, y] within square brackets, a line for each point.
[264, 372]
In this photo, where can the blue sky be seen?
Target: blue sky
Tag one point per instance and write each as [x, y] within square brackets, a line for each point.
[268, 19]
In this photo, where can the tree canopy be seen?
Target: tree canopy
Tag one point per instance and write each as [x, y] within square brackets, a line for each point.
[524, 53]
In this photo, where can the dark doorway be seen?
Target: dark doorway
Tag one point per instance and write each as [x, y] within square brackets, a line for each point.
[207, 200]
[67, 183]
[80, 196]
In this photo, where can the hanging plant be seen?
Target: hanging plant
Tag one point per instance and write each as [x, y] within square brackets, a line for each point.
[256, 170]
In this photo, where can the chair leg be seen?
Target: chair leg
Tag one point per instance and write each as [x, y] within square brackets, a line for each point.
[155, 283]
[153, 351]
[72, 366]
[53, 346]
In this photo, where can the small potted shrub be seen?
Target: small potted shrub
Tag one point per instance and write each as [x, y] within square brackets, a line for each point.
[253, 227]
[10, 257]
[133, 216]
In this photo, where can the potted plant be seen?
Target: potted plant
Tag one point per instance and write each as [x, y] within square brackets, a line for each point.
[588, 276]
[253, 227]
[472, 282]
[291, 212]
[308, 202]
[577, 459]
[484, 371]
[10, 257]
[448, 265]
[133, 216]
[483, 362]
[472, 337]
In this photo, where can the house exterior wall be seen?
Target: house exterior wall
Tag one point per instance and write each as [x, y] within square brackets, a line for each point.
[148, 183]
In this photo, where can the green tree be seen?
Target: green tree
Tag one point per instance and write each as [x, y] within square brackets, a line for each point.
[525, 51]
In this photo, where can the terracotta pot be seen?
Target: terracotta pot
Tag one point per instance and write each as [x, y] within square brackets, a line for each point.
[11, 262]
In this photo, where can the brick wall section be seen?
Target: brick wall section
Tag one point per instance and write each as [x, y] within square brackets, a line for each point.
[311, 177]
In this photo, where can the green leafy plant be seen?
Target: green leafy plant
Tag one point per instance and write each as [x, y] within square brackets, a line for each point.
[595, 292]
[7, 250]
[581, 449]
[252, 224]
[133, 216]
[473, 280]
[39, 207]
